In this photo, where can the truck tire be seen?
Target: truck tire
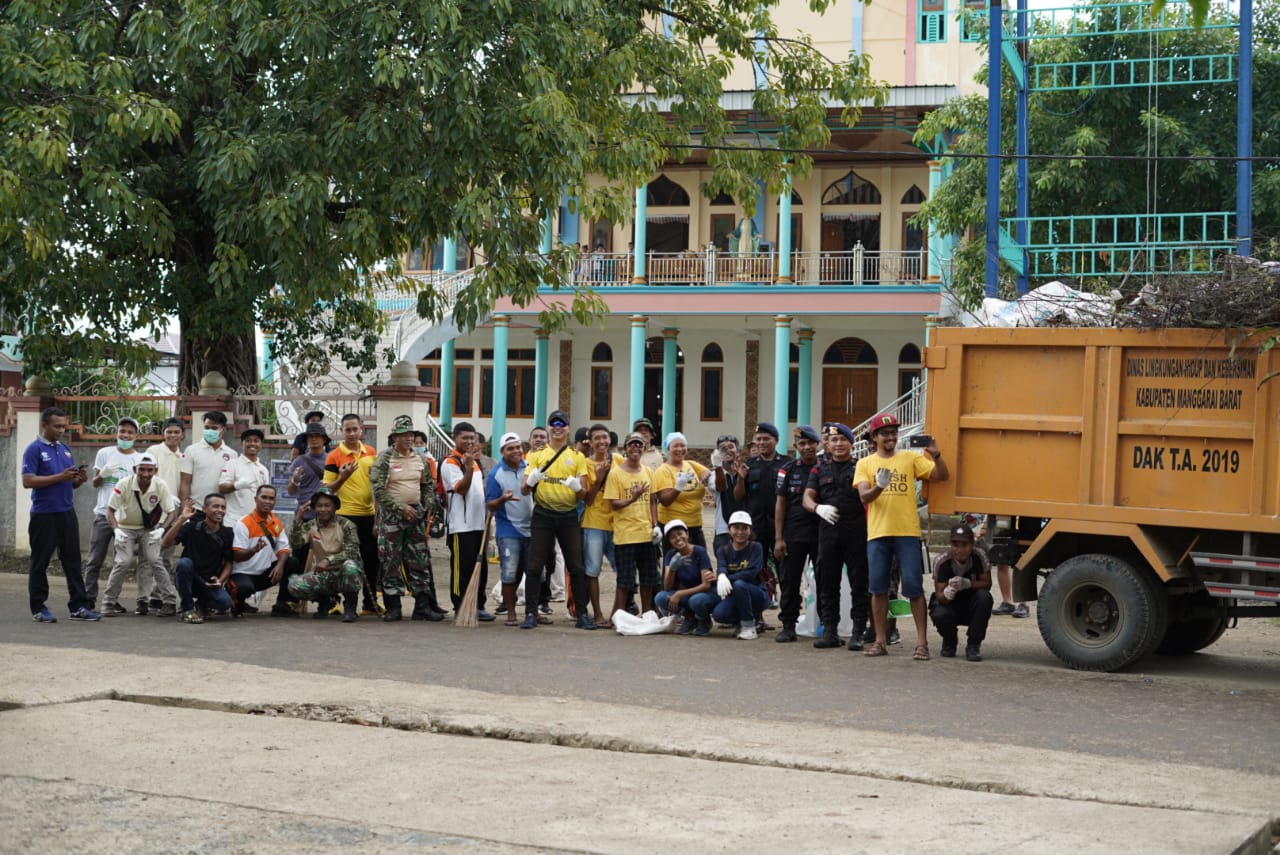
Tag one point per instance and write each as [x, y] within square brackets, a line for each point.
[1186, 635]
[1100, 613]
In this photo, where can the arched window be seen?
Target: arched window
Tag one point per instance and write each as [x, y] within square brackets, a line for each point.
[795, 197]
[662, 191]
[852, 189]
[914, 196]
[712, 383]
[601, 382]
[722, 198]
[909, 355]
[850, 351]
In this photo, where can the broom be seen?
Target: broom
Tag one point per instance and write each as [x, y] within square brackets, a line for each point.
[467, 611]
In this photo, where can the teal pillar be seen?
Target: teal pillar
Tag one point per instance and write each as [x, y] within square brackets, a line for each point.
[933, 261]
[548, 230]
[669, 402]
[501, 330]
[784, 234]
[637, 367]
[446, 384]
[638, 275]
[449, 264]
[804, 383]
[540, 378]
[781, 377]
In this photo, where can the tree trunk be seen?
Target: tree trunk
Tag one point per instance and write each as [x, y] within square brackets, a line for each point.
[234, 355]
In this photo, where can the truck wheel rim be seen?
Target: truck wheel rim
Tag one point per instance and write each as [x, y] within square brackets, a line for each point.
[1092, 615]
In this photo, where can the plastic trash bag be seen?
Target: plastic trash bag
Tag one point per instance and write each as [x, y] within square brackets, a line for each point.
[647, 624]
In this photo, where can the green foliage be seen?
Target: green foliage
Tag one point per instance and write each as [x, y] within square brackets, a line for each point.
[237, 163]
[1189, 120]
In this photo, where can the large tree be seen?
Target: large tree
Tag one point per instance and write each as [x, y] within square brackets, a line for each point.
[1128, 130]
[247, 162]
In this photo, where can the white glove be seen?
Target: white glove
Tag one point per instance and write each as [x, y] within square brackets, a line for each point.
[829, 513]
[948, 593]
[657, 535]
[683, 480]
[960, 583]
[883, 477]
[533, 476]
[723, 586]
[717, 459]
[573, 483]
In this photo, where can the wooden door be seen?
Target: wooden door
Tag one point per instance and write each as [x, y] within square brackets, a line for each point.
[848, 394]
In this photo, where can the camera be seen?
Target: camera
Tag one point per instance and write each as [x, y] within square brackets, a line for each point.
[920, 440]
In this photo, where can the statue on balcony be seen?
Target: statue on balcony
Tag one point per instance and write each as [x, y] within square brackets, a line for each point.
[745, 239]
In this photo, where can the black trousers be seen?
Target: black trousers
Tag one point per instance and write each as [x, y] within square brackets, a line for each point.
[248, 584]
[842, 548]
[368, 556]
[548, 528]
[49, 533]
[972, 608]
[464, 549]
[789, 579]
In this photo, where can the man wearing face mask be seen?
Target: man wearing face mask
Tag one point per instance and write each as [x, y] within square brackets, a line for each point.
[112, 465]
[205, 459]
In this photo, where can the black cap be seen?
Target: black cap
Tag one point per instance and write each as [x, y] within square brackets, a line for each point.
[581, 435]
[558, 416]
[806, 432]
[769, 428]
[262, 437]
[962, 532]
[316, 429]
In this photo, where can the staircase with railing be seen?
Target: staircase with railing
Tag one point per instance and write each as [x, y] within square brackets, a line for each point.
[910, 412]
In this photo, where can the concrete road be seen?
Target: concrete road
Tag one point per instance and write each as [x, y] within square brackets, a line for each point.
[1216, 708]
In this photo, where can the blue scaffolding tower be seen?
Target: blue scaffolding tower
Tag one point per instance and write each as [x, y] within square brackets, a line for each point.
[1111, 245]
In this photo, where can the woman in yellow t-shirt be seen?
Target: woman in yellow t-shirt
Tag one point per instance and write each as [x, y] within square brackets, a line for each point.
[681, 484]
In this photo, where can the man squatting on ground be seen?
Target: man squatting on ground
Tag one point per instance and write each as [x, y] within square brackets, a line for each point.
[962, 594]
[333, 556]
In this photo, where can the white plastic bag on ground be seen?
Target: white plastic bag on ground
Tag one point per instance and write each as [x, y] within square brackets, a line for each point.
[647, 624]
[808, 624]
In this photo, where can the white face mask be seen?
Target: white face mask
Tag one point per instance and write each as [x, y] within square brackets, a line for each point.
[211, 436]
[124, 444]
[421, 449]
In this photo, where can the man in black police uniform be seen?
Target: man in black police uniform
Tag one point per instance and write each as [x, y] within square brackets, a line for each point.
[761, 494]
[795, 537]
[842, 538]
[962, 594]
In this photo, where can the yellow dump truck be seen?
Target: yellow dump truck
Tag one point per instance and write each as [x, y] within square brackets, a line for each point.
[1153, 459]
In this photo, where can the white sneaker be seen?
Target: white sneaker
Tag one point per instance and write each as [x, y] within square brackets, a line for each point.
[747, 631]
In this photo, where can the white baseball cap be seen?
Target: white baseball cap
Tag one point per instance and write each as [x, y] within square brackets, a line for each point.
[145, 460]
[508, 438]
[739, 518]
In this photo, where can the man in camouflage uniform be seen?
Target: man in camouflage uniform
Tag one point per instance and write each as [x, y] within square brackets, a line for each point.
[405, 494]
[333, 563]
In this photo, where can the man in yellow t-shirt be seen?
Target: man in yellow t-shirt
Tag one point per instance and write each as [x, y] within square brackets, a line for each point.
[556, 478]
[346, 473]
[680, 485]
[886, 481]
[597, 517]
[629, 490]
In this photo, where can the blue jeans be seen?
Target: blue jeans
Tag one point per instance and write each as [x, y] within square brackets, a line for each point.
[192, 587]
[746, 603]
[597, 544]
[662, 598]
[880, 554]
[513, 558]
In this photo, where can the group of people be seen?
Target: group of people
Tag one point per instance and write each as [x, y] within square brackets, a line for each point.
[361, 528]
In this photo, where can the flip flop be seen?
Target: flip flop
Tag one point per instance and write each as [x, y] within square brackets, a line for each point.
[604, 624]
[922, 653]
[511, 622]
[876, 649]
[544, 620]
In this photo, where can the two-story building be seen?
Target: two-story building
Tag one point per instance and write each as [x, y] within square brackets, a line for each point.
[711, 325]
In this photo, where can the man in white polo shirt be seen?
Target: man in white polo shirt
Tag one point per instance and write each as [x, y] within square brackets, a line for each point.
[112, 465]
[205, 459]
[243, 475]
